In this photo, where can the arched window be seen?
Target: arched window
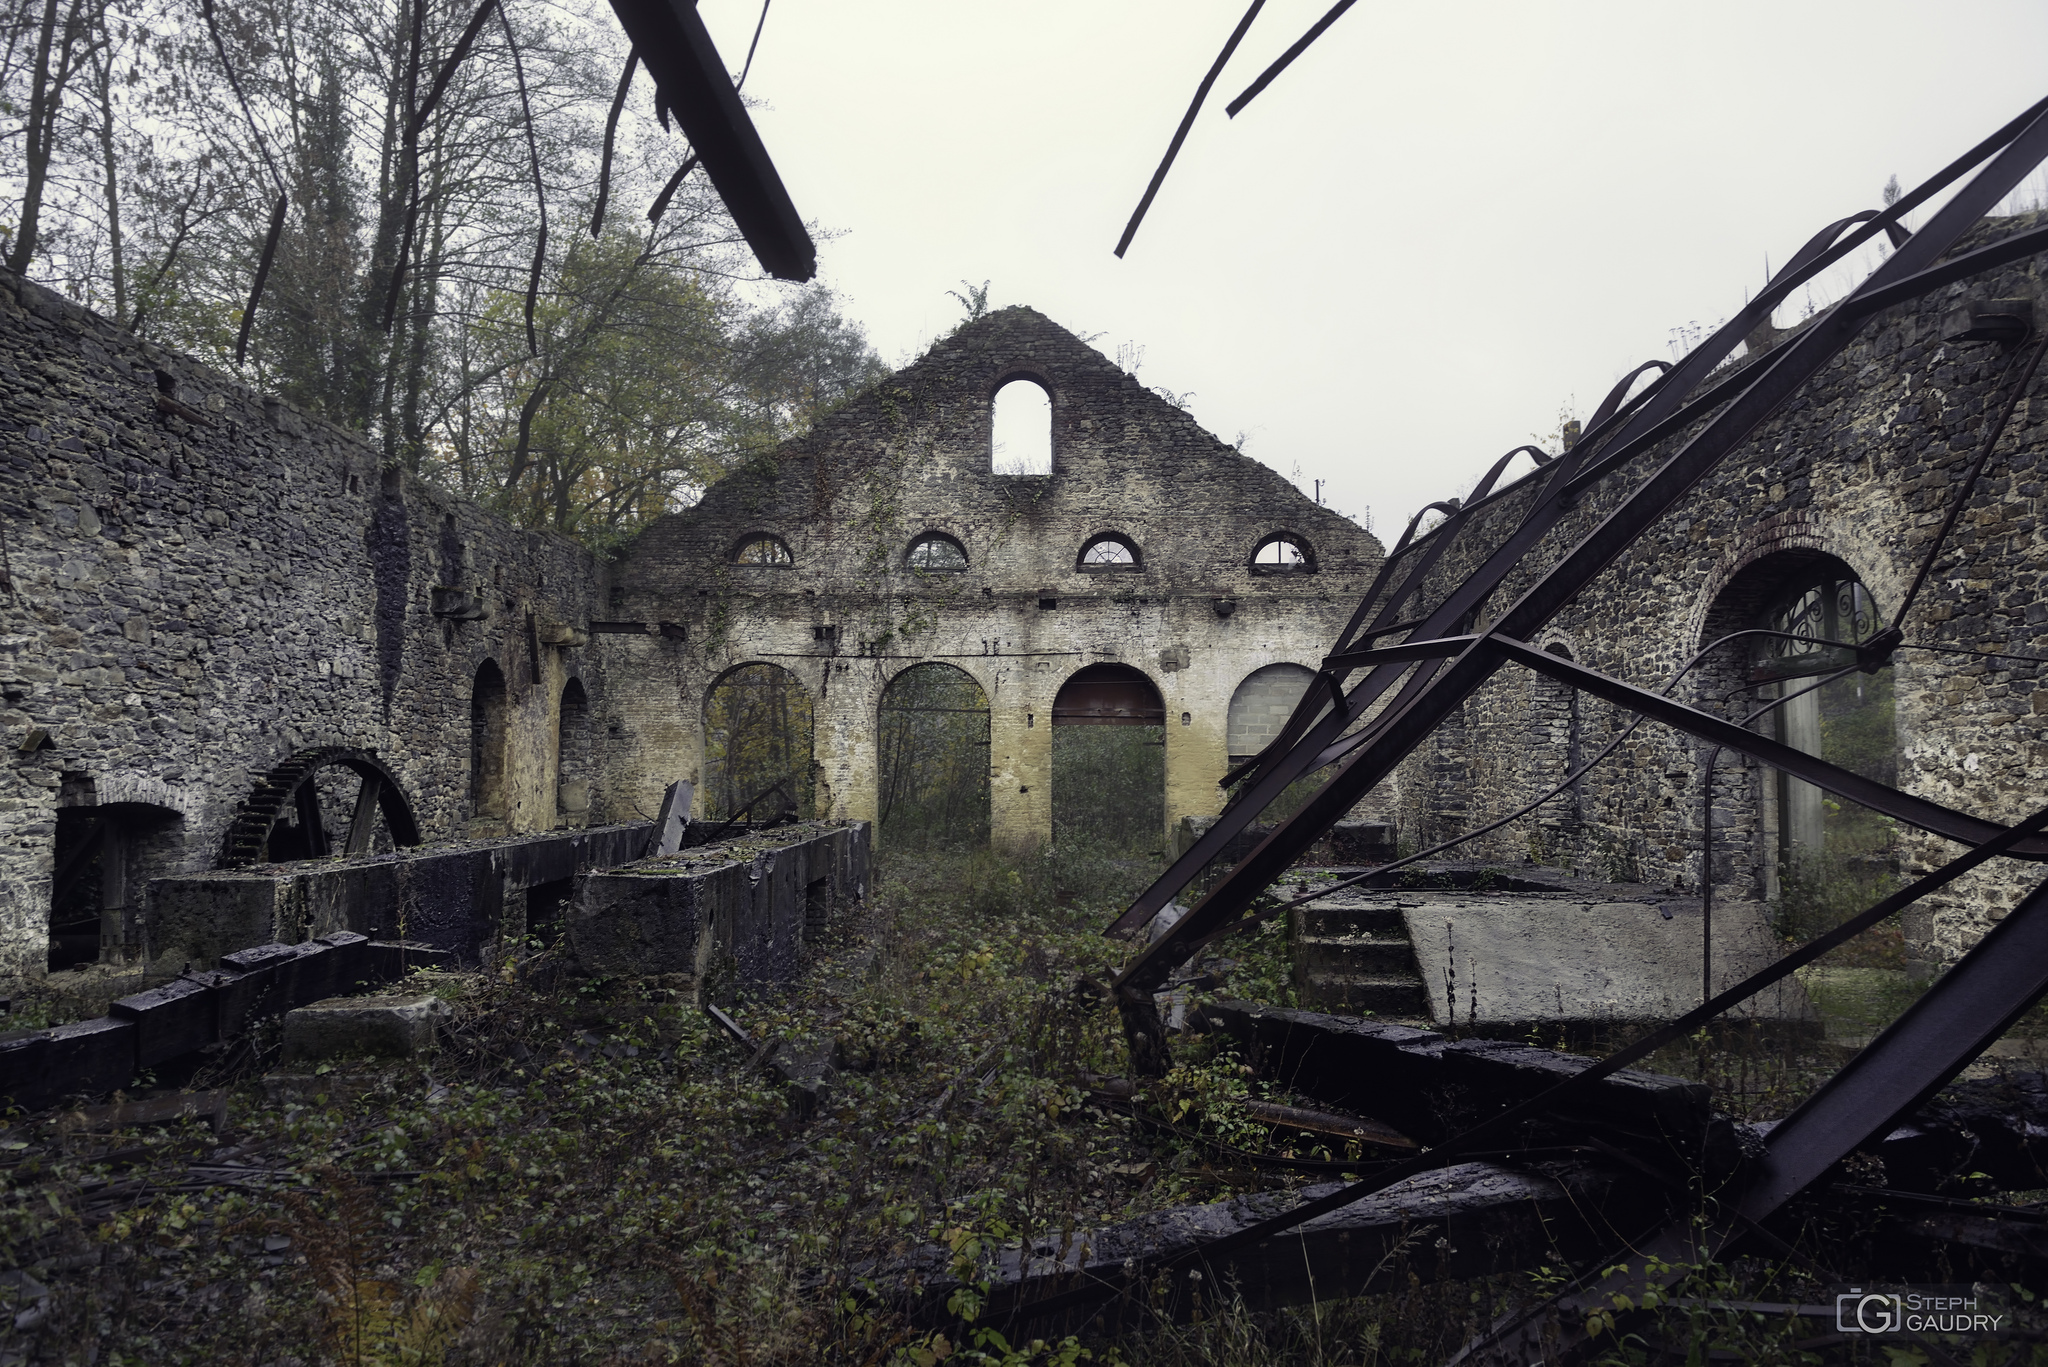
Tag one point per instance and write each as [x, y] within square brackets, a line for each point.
[1283, 553]
[936, 552]
[1826, 604]
[1108, 554]
[933, 758]
[757, 744]
[763, 549]
[1109, 760]
[572, 756]
[487, 742]
[1020, 430]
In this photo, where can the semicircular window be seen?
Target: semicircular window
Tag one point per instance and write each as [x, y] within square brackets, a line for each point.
[763, 550]
[1832, 611]
[935, 552]
[1283, 553]
[1108, 554]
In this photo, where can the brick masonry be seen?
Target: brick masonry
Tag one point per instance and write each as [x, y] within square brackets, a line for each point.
[201, 581]
[912, 457]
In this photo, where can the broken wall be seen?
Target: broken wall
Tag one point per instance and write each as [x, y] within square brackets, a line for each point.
[912, 458]
[201, 581]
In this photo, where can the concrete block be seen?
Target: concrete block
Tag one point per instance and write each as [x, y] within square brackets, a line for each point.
[174, 1019]
[91, 1058]
[314, 973]
[261, 986]
[350, 962]
[1389, 1072]
[25, 1068]
[1506, 963]
[655, 920]
[348, 1027]
[1503, 1072]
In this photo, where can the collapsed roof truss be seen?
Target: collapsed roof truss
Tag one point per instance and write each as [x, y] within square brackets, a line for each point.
[1375, 700]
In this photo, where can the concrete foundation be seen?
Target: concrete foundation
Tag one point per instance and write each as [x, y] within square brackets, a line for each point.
[457, 897]
[732, 916]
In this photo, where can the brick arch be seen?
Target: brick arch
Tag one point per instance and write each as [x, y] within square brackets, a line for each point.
[1794, 532]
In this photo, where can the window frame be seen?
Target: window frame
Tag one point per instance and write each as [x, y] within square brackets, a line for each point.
[1136, 565]
[1307, 564]
[751, 539]
[934, 537]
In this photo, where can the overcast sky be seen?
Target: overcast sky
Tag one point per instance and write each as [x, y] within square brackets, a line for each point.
[1444, 223]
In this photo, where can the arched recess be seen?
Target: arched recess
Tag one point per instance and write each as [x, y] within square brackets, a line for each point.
[757, 744]
[104, 855]
[488, 738]
[572, 756]
[293, 812]
[1807, 849]
[934, 759]
[1109, 760]
[1259, 708]
[1020, 428]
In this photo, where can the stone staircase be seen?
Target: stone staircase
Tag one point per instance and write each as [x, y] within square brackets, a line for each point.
[1351, 954]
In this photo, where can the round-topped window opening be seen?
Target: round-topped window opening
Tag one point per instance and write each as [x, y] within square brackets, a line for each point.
[1020, 429]
[1108, 554]
[762, 549]
[936, 552]
[1283, 553]
[1826, 604]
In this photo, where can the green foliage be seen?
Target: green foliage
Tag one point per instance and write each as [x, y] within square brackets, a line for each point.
[757, 733]
[934, 759]
[1109, 782]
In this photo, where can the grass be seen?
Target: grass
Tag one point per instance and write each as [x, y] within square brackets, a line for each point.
[589, 1172]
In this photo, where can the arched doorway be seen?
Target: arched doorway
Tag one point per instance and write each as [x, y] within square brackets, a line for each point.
[487, 743]
[1813, 849]
[104, 854]
[933, 784]
[572, 756]
[757, 744]
[1109, 760]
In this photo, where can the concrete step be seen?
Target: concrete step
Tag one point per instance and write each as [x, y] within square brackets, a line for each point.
[1383, 994]
[1359, 953]
[1381, 916]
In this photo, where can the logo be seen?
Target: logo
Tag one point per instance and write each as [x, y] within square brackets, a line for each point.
[1970, 1311]
[1869, 1312]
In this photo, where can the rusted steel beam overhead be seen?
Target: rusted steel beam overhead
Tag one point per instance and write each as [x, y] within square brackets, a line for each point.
[692, 79]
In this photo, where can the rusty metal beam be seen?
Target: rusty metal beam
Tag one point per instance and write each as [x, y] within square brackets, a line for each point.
[1432, 690]
[672, 40]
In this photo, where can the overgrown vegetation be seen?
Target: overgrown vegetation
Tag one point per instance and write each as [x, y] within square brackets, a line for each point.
[591, 1172]
[547, 319]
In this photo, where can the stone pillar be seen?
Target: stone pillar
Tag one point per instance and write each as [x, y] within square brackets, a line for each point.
[1195, 758]
[844, 738]
[1020, 770]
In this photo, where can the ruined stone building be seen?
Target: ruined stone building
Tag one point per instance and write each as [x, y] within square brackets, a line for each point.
[228, 638]
[1131, 571]
[231, 639]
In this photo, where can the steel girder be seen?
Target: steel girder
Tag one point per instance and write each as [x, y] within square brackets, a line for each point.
[672, 40]
[1408, 687]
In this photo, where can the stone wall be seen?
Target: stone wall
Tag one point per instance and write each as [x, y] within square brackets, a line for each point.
[201, 581]
[1860, 465]
[913, 457]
